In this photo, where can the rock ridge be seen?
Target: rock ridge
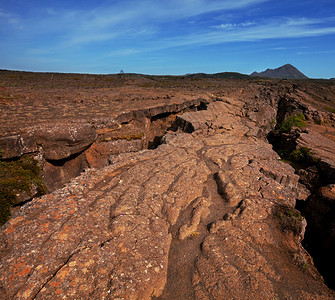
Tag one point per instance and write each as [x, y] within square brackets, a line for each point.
[64, 150]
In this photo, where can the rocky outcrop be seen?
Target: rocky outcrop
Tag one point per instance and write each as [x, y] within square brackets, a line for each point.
[311, 150]
[322, 149]
[320, 207]
[64, 149]
[61, 141]
[209, 214]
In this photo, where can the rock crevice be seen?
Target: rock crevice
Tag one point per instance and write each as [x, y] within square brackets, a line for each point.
[312, 154]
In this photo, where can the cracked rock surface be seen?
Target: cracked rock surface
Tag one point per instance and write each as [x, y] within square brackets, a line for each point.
[196, 218]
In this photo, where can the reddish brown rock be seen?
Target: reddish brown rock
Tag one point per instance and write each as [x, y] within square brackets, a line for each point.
[62, 141]
[112, 233]
[209, 214]
[97, 155]
[11, 146]
[57, 173]
[322, 148]
[16, 145]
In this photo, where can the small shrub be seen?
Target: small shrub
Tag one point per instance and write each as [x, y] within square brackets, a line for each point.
[330, 109]
[298, 158]
[297, 120]
[128, 137]
[289, 218]
[284, 154]
[301, 155]
[15, 177]
[300, 260]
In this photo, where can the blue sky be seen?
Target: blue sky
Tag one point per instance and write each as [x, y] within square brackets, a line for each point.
[168, 36]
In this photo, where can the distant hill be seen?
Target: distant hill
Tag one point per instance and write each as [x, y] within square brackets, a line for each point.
[223, 75]
[286, 71]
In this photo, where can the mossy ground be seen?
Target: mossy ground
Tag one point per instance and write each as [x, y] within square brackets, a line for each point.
[126, 136]
[300, 158]
[330, 109]
[15, 177]
[297, 120]
[290, 219]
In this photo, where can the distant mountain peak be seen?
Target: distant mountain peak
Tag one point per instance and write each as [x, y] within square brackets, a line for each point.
[286, 71]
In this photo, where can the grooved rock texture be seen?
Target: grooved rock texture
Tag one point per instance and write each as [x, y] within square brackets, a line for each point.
[321, 147]
[207, 215]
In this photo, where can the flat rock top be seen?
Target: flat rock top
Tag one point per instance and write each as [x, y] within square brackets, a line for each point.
[28, 99]
[32, 98]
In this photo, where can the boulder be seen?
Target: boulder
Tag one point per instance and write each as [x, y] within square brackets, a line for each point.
[64, 140]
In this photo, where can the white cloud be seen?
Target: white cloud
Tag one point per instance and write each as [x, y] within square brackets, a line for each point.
[273, 29]
[231, 26]
[226, 26]
[107, 21]
[302, 21]
[316, 52]
[11, 19]
[130, 26]
[247, 24]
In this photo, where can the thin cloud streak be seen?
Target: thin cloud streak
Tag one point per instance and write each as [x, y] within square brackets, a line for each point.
[275, 30]
[82, 26]
[316, 52]
[11, 19]
[131, 14]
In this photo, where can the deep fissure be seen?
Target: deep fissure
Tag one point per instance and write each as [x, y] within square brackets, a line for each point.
[169, 121]
[142, 129]
[319, 239]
